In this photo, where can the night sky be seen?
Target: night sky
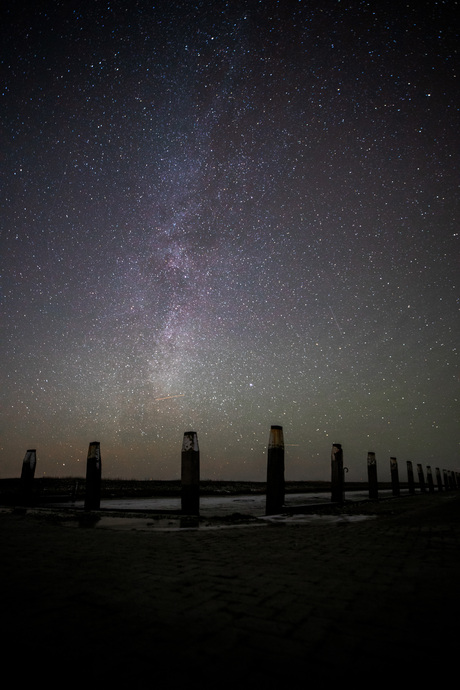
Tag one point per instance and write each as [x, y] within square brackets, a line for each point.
[223, 216]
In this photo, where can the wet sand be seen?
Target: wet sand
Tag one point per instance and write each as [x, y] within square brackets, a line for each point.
[289, 603]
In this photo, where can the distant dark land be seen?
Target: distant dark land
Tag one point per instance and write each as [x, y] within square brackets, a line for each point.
[48, 489]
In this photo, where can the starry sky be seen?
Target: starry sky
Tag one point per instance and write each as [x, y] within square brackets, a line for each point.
[224, 216]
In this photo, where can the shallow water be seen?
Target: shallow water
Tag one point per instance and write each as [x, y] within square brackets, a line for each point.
[216, 512]
[216, 506]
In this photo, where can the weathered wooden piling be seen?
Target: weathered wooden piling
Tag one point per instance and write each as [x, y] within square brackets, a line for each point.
[372, 475]
[429, 479]
[438, 478]
[421, 478]
[394, 473]
[410, 477]
[337, 476]
[275, 471]
[27, 474]
[190, 474]
[446, 480]
[93, 477]
[28, 466]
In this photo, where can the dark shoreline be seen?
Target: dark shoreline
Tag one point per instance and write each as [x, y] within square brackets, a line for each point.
[52, 488]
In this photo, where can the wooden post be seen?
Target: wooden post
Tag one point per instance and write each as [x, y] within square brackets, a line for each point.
[190, 474]
[93, 477]
[372, 475]
[410, 477]
[394, 476]
[27, 474]
[446, 480]
[275, 471]
[337, 476]
[438, 478]
[429, 479]
[421, 479]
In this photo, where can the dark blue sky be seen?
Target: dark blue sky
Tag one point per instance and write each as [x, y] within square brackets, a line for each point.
[225, 216]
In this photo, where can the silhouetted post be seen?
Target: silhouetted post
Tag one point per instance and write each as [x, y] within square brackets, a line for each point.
[190, 474]
[275, 471]
[438, 479]
[372, 475]
[93, 477]
[429, 479]
[27, 474]
[446, 480]
[410, 477]
[421, 479]
[337, 476]
[394, 476]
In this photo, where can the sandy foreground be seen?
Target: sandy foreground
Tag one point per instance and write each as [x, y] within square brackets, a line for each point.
[263, 602]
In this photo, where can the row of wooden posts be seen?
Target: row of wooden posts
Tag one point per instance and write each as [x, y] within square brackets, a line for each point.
[445, 481]
[275, 490]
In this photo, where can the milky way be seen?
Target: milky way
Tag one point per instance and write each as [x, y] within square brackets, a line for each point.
[223, 216]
